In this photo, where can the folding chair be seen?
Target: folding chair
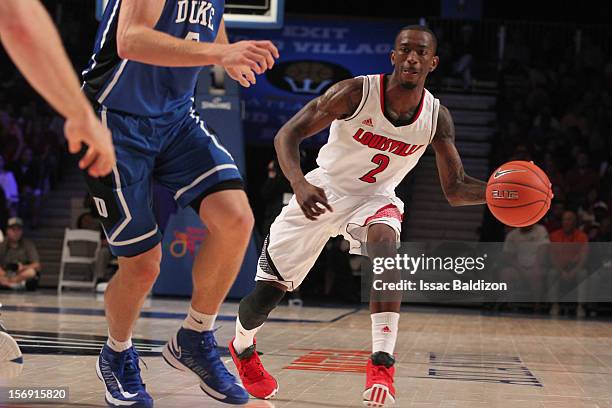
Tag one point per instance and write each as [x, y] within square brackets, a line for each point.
[80, 255]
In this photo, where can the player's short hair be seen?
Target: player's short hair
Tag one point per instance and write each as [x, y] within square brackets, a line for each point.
[417, 27]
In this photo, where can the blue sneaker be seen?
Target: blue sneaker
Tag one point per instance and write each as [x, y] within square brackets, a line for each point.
[196, 352]
[120, 373]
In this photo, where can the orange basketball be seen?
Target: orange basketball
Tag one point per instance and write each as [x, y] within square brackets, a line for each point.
[519, 193]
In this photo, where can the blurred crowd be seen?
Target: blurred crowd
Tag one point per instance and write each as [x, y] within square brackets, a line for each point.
[31, 151]
[556, 109]
[32, 147]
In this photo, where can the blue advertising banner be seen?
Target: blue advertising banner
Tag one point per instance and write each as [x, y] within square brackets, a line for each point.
[314, 54]
[183, 237]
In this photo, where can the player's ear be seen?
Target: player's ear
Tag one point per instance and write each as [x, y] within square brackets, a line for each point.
[434, 63]
[392, 57]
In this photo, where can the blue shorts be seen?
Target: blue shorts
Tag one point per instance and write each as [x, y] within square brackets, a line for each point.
[177, 150]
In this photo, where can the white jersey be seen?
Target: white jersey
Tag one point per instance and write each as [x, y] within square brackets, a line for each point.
[366, 154]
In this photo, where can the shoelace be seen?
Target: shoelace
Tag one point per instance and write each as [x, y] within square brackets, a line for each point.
[209, 348]
[252, 374]
[130, 371]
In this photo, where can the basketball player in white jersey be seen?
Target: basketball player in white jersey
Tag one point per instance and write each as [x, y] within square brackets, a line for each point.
[31, 40]
[380, 126]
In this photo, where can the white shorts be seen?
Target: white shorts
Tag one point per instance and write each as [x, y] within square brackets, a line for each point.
[295, 242]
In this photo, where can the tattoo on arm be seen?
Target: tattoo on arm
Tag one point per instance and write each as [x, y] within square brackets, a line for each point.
[458, 187]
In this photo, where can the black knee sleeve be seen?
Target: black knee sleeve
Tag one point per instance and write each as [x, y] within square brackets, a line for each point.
[255, 308]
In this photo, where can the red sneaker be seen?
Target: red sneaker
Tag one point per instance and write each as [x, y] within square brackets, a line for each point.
[379, 388]
[257, 381]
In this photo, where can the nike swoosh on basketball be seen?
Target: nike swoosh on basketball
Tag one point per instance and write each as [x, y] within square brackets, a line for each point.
[500, 173]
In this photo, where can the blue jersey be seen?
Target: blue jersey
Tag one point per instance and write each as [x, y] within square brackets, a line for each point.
[142, 89]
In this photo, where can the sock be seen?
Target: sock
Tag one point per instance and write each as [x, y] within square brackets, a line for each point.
[117, 345]
[384, 331]
[199, 322]
[244, 338]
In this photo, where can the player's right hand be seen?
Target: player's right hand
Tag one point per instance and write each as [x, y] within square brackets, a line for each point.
[243, 59]
[312, 199]
[99, 158]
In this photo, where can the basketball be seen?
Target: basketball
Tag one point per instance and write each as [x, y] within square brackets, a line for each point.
[519, 193]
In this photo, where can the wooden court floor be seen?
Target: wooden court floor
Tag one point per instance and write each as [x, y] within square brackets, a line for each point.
[446, 358]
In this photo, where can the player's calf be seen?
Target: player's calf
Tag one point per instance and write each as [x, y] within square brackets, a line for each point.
[384, 307]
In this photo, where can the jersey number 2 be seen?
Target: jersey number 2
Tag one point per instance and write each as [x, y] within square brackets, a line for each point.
[382, 161]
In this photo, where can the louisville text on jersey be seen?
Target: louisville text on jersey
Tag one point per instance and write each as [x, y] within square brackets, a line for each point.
[386, 144]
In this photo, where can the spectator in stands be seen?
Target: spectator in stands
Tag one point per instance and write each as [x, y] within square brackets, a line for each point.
[586, 211]
[13, 142]
[567, 259]
[553, 218]
[545, 123]
[464, 56]
[517, 54]
[604, 232]
[4, 213]
[600, 209]
[19, 261]
[552, 170]
[523, 250]
[5, 115]
[581, 179]
[521, 152]
[28, 174]
[606, 180]
[9, 187]
[591, 54]
[574, 117]
[599, 228]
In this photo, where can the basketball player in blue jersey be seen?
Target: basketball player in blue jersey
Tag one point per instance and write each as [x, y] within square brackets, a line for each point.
[141, 79]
